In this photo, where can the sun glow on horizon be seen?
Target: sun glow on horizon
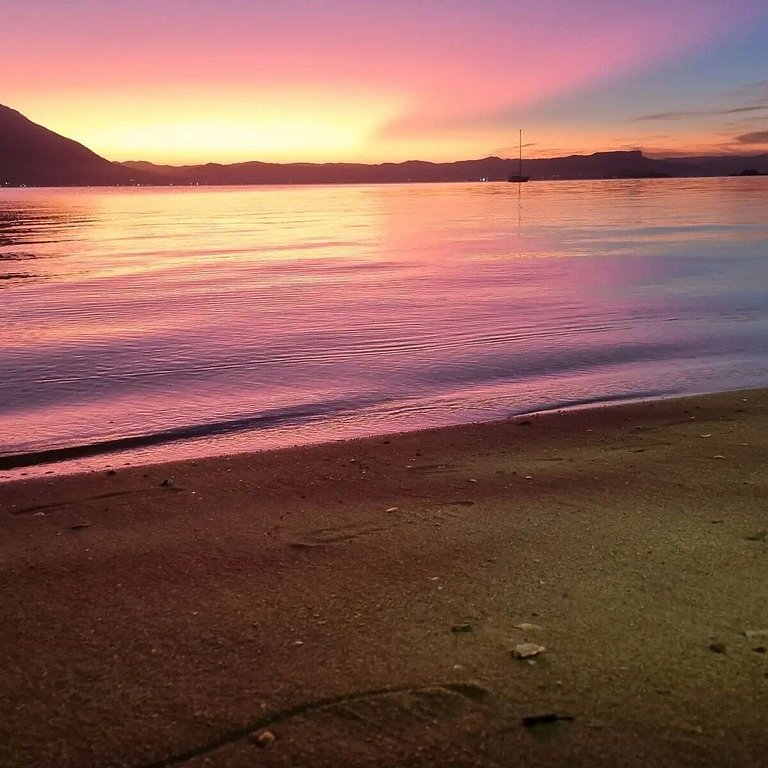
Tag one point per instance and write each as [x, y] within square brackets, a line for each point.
[311, 127]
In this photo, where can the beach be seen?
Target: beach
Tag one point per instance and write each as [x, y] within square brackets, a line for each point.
[360, 602]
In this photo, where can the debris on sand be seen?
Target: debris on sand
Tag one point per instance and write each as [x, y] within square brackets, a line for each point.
[717, 647]
[526, 627]
[168, 483]
[461, 628]
[531, 721]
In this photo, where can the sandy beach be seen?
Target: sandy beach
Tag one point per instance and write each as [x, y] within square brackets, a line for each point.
[360, 603]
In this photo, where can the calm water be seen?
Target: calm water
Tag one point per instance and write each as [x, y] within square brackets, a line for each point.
[188, 322]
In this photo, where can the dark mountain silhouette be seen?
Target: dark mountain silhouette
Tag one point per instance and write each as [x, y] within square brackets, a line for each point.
[728, 165]
[598, 166]
[31, 155]
[34, 156]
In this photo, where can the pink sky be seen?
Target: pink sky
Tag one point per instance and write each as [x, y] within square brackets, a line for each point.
[189, 81]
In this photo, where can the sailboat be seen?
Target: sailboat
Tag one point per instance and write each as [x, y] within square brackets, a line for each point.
[519, 178]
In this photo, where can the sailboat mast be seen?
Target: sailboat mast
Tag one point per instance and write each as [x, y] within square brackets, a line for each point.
[520, 156]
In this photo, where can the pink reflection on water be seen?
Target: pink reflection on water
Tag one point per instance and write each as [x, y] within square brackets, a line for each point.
[366, 309]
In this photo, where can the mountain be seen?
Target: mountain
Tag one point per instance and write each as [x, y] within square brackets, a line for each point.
[597, 166]
[728, 165]
[31, 155]
[600, 165]
[34, 156]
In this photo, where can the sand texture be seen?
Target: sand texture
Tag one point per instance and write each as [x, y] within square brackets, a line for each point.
[360, 603]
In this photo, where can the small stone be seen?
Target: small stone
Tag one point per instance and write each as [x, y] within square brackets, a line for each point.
[705, 435]
[472, 480]
[751, 634]
[718, 456]
[759, 536]
[298, 643]
[168, 483]
[526, 650]
[79, 526]
[392, 509]
[526, 627]
[717, 647]
[264, 739]
[760, 649]
[111, 472]
[461, 628]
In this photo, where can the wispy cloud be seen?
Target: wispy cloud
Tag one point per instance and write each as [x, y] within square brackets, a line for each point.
[757, 87]
[506, 150]
[744, 124]
[678, 114]
[756, 137]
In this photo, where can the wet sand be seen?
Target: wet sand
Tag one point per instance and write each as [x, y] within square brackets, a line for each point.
[359, 601]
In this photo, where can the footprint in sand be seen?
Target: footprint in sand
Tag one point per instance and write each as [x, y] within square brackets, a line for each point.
[407, 717]
[323, 537]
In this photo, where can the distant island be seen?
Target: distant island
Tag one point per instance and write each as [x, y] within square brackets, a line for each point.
[31, 155]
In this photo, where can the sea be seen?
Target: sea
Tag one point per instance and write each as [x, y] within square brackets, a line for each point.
[146, 324]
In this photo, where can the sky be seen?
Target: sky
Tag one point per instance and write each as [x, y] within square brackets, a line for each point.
[190, 81]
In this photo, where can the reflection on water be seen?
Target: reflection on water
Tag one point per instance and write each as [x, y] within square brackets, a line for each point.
[193, 321]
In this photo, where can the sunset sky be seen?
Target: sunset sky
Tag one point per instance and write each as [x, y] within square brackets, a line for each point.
[185, 81]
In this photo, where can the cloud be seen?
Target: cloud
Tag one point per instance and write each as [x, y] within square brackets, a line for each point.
[756, 137]
[744, 124]
[677, 114]
[513, 148]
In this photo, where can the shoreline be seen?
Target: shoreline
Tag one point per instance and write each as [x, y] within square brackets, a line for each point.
[19, 467]
[360, 599]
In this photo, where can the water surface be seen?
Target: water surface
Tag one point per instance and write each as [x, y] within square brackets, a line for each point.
[185, 322]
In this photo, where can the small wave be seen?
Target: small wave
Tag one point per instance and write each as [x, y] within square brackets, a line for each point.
[270, 418]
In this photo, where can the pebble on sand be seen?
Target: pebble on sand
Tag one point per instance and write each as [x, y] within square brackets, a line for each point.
[526, 650]
[264, 739]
